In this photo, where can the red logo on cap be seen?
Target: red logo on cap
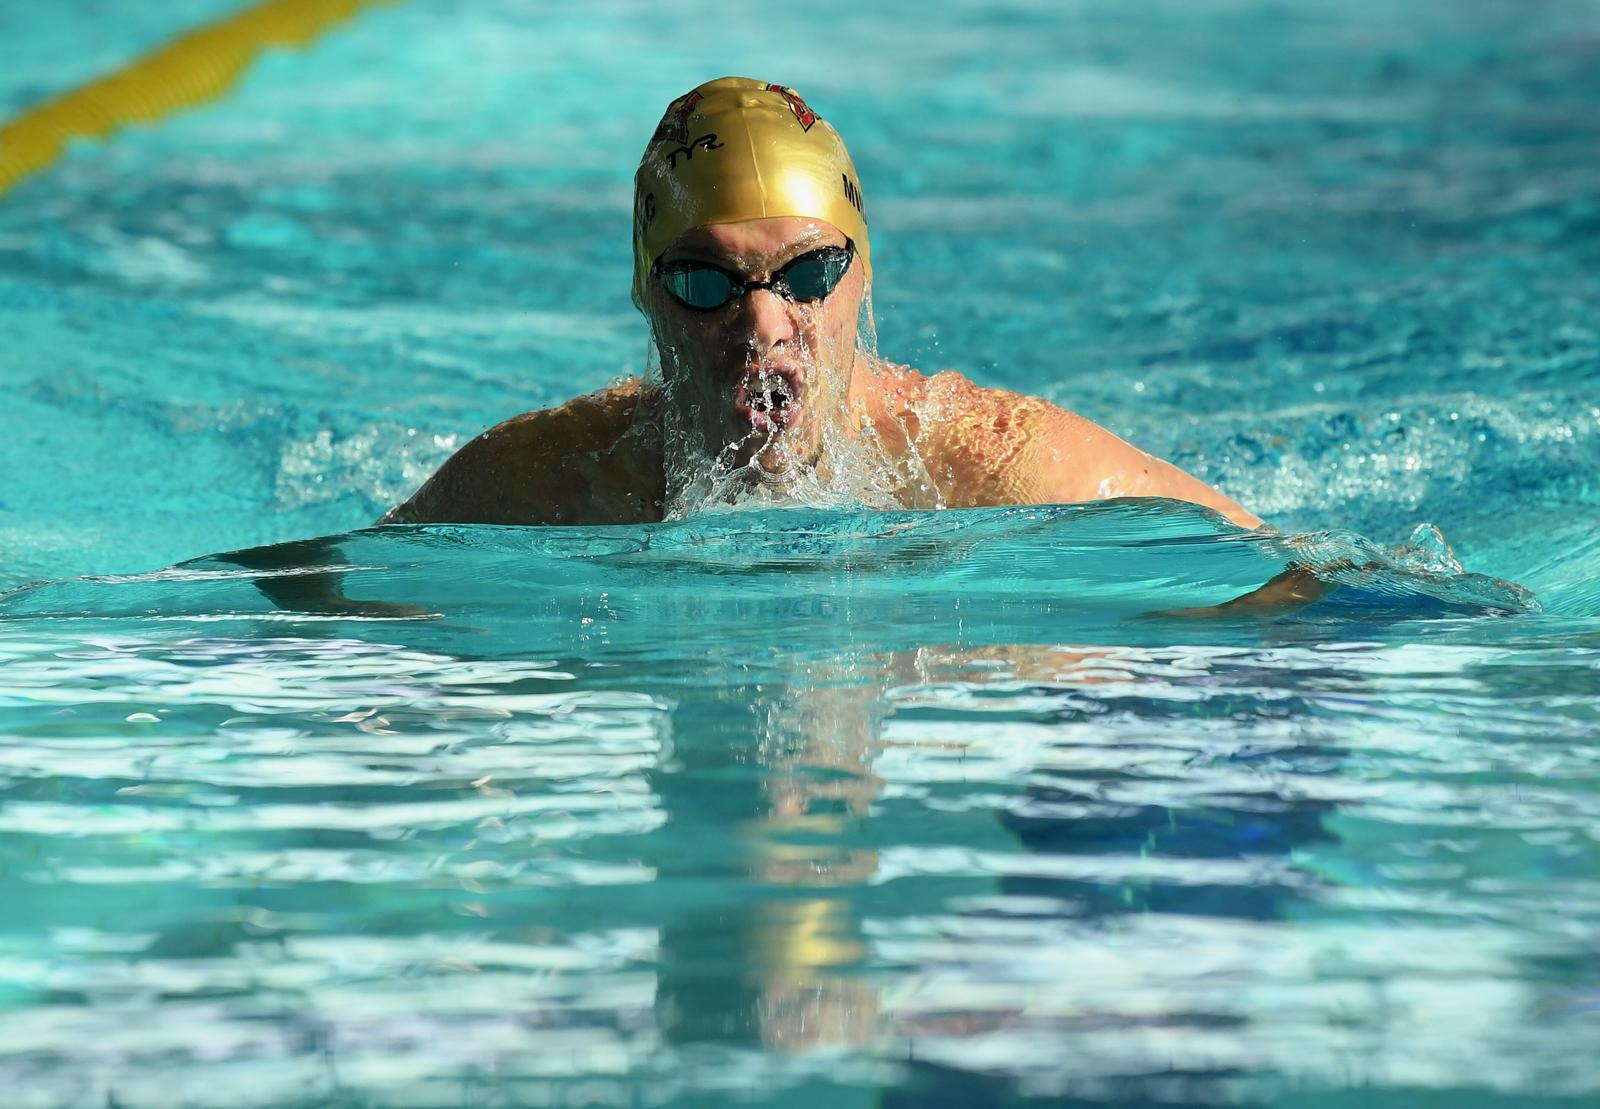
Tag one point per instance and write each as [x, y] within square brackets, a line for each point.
[674, 126]
[802, 110]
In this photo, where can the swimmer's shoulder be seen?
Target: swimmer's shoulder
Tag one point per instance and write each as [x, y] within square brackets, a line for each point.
[969, 439]
[990, 446]
[985, 444]
[931, 402]
[594, 460]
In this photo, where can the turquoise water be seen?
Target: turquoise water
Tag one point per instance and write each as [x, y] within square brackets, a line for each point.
[807, 807]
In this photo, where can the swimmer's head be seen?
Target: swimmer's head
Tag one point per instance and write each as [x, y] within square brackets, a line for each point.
[737, 149]
[751, 264]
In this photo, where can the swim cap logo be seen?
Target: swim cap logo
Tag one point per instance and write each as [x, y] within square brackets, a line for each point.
[707, 141]
[852, 193]
[674, 125]
[802, 110]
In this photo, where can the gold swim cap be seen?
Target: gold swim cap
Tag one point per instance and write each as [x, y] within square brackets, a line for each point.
[737, 149]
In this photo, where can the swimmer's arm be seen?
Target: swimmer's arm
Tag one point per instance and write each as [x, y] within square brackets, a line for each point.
[494, 479]
[1119, 469]
[1145, 475]
[300, 577]
[575, 464]
[1161, 478]
[1078, 460]
[1294, 588]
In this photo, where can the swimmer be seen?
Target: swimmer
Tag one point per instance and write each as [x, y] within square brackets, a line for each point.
[752, 267]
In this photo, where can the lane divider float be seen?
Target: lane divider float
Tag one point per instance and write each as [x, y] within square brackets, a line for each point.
[188, 71]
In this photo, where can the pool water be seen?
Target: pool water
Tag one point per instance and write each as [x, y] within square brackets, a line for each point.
[811, 807]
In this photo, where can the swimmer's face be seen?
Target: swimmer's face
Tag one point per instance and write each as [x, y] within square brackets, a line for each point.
[761, 376]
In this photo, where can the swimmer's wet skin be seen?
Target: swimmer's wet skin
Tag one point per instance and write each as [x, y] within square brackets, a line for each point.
[751, 263]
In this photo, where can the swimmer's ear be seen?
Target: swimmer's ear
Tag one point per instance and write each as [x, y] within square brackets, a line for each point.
[1293, 589]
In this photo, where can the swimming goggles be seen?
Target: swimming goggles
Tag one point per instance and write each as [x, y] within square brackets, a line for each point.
[809, 277]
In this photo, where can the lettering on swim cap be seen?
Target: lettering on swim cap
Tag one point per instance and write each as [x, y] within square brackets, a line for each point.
[852, 193]
[708, 141]
[737, 149]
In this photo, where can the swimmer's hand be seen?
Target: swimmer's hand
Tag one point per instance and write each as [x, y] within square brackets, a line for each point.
[1296, 587]
[320, 595]
[295, 581]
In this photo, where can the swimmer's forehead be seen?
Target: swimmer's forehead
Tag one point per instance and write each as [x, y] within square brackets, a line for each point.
[754, 243]
[741, 149]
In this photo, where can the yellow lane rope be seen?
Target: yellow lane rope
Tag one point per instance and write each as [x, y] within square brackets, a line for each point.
[187, 71]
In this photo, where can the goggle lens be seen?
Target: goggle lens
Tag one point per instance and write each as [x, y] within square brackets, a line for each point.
[808, 278]
[813, 276]
[700, 287]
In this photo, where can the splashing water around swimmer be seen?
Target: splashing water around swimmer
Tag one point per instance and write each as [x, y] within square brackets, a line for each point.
[782, 434]
[752, 264]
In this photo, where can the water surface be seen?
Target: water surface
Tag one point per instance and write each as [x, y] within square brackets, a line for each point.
[806, 808]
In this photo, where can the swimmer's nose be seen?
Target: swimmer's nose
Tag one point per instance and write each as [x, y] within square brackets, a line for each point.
[768, 319]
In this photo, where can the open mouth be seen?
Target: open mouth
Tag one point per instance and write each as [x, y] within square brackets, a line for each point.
[768, 398]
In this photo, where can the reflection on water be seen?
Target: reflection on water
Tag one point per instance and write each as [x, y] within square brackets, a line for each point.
[711, 815]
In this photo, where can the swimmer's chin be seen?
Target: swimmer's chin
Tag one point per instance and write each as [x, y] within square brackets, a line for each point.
[775, 461]
[754, 431]
[771, 449]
